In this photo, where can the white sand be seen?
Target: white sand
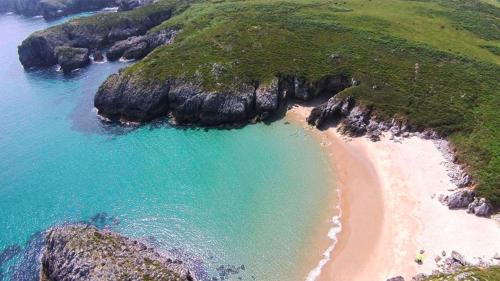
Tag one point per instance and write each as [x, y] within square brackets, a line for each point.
[410, 175]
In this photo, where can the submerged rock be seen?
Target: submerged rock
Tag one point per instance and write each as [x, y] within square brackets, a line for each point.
[82, 252]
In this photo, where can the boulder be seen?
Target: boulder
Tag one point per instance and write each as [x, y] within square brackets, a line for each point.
[72, 58]
[459, 200]
[457, 257]
[397, 278]
[98, 56]
[419, 277]
[332, 110]
[480, 207]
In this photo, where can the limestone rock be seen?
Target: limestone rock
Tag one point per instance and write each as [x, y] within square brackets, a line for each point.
[459, 200]
[332, 110]
[137, 47]
[82, 252]
[480, 207]
[72, 58]
[267, 100]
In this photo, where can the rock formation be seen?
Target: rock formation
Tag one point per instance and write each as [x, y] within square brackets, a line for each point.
[137, 47]
[40, 48]
[72, 58]
[82, 252]
[131, 97]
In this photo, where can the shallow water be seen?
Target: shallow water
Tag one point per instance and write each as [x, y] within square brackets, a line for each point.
[249, 196]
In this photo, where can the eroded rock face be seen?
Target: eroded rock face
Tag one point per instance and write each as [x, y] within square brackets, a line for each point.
[82, 252]
[334, 109]
[119, 98]
[134, 99]
[302, 89]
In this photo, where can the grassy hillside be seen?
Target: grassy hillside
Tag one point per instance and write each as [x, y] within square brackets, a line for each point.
[435, 64]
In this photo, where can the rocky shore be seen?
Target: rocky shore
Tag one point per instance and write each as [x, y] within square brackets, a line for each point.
[83, 252]
[71, 44]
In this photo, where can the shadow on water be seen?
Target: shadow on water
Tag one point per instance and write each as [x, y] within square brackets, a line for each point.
[85, 119]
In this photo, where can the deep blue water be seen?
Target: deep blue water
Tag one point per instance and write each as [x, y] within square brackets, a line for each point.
[248, 196]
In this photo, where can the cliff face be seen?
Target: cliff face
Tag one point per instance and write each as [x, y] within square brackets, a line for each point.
[82, 252]
[41, 48]
[130, 97]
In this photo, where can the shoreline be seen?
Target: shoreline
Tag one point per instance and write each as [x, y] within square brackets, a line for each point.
[390, 211]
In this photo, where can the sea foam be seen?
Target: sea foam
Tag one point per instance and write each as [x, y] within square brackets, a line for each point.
[332, 234]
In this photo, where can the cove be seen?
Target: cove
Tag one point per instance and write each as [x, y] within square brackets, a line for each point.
[253, 196]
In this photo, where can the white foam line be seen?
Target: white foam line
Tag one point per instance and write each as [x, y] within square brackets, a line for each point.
[332, 234]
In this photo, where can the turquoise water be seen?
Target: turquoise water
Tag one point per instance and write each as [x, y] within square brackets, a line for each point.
[248, 196]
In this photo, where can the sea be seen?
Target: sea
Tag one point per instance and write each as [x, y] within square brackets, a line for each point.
[234, 204]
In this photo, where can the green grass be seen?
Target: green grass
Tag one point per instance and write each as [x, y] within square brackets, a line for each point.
[379, 42]
[472, 274]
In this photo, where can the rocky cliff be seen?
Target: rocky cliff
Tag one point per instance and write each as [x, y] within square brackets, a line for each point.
[82, 252]
[134, 98]
[78, 37]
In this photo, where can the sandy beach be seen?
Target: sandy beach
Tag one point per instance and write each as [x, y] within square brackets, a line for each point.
[390, 210]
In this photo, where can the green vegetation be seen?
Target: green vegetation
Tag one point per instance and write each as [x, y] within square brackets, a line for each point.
[432, 64]
[470, 274]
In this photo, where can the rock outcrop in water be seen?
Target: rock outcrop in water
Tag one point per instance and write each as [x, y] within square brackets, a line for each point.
[82, 252]
[72, 58]
[133, 98]
[41, 48]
